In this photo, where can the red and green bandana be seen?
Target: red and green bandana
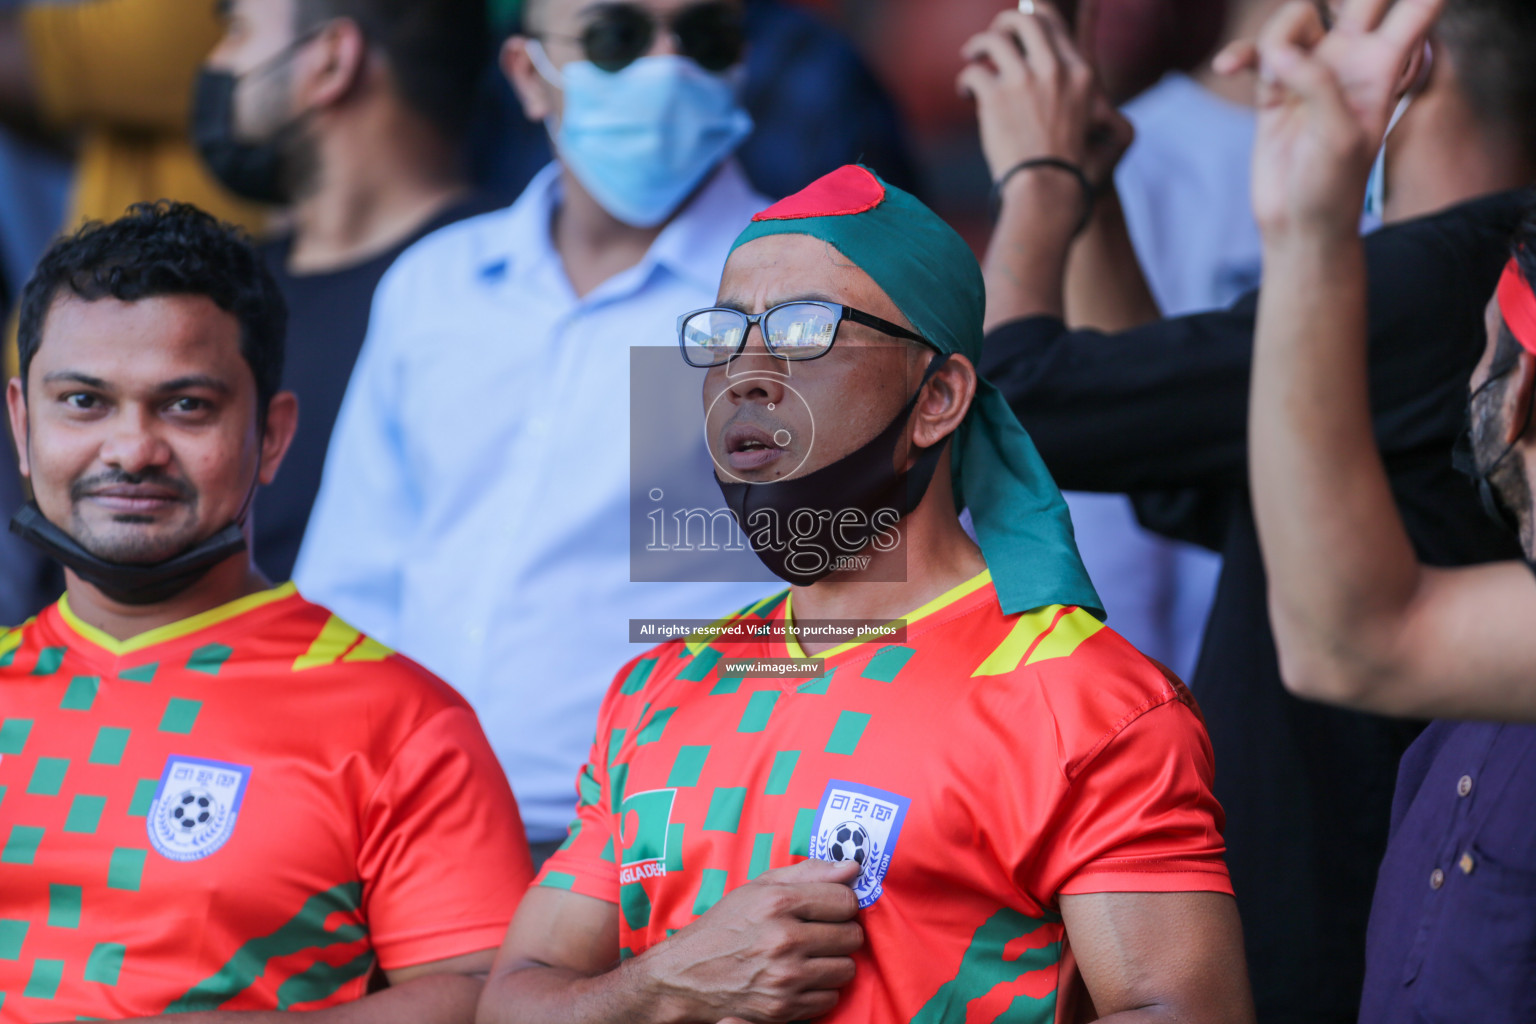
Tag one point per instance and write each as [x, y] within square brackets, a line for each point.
[1517, 305]
[247, 810]
[979, 770]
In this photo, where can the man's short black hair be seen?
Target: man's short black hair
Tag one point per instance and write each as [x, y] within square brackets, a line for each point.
[437, 49]
[160, 249]
[1492, 44]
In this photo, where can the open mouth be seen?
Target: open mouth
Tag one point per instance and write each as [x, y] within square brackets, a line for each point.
[748, 447]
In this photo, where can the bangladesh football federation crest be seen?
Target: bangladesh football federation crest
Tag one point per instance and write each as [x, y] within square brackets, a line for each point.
[861, 824]
[196, 806]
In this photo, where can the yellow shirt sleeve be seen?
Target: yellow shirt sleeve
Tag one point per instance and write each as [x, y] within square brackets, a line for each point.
[126, 65]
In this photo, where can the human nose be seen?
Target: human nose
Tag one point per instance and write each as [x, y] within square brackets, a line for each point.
[133, 443]
[664, 41]
[756, 376]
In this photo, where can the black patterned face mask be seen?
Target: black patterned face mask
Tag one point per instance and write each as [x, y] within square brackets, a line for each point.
[128, 584]
[1464, 459]
[838, 509]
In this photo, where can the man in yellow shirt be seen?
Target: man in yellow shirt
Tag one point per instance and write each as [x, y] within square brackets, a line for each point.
[119, 74]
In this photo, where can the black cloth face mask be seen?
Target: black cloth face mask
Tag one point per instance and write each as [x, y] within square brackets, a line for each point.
[128, 584]
[837, 510]
[1464, 459]
[257, 171]
[134, 584]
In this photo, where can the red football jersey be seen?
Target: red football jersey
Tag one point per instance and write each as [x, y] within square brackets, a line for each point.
[246, 810]
[978, 771]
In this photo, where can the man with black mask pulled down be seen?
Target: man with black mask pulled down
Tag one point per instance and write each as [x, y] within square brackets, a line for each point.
[909, 824]
[174, 723]
[474, 511]
[349, 115]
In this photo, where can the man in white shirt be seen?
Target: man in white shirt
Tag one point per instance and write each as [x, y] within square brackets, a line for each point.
[475, 509]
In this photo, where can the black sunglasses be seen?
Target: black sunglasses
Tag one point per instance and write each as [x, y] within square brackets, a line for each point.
[792, 331]
[709, 34]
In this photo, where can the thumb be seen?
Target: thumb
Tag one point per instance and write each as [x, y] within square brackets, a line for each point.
[841, 872]
[1239, 55]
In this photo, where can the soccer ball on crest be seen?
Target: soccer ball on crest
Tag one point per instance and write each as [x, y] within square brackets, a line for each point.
[849, 841]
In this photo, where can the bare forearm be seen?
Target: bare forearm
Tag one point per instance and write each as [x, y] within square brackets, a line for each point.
[436, 999]
[1026, 262]
[1339, 560]
[552, 995]
[1106, 289]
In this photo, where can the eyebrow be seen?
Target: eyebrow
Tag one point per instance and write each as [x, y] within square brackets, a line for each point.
[191, 382]
[740, 307]
[76, 377]
[194, 382]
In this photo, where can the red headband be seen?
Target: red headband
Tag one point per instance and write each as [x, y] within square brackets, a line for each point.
[1517, 305]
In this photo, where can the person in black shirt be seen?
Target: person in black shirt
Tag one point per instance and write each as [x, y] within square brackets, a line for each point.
[1359, 619]
[350, 114]
[1160, 411]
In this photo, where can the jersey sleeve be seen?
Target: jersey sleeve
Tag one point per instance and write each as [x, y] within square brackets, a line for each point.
[444, 859]
[1140, 815]
[128, 64]
[587, 862]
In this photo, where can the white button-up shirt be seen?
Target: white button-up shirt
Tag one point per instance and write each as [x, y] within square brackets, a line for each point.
[475, 510]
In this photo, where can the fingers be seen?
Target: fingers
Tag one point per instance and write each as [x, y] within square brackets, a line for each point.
[1087, 33]
[1035, 40]
[1361, 15]
[823, 901]
[812, 871]
[1296, 24]
[1312, 81]
[827, 972]
[820, 939]
[1408, 22]
[1002, 51]
[1238, 55]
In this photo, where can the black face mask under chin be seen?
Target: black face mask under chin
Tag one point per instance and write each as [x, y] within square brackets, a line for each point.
[128, 584]
[802, 526]
[1464, 459]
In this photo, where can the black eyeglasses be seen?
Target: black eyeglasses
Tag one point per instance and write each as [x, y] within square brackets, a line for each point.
[793, 331]
[709, 34]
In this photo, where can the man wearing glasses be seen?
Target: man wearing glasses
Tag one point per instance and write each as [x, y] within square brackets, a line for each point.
[913, 830]
[474, 507]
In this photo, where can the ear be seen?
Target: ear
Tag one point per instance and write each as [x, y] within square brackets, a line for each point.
[282, 424]
[533, 92]
[1518, 394]
[16, 406]
[944, 402]
[340, 63]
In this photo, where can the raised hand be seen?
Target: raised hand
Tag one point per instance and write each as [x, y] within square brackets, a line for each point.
[1325, 98]
[1036, 96]
[775, 950]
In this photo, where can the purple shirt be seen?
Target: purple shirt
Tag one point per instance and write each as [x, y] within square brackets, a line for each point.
[1453, 927]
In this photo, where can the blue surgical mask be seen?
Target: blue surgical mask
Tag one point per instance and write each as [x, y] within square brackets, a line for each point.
[642, 139]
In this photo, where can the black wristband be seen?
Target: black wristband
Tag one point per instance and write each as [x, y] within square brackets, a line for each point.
[1090, 194]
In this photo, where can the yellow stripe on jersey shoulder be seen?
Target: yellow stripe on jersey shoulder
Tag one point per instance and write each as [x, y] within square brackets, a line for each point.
[335, 639]
[369, 650]
[696, 642]
[11, 639]
[1055, 631]
[1062, 642]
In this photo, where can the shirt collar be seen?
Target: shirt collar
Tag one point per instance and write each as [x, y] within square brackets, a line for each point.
[692, 247]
